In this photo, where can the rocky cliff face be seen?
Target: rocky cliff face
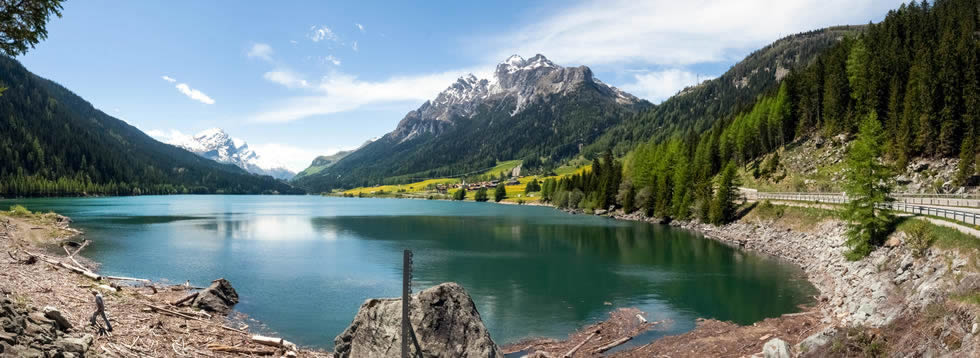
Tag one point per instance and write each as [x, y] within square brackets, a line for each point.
[516, 83]
[444, 318]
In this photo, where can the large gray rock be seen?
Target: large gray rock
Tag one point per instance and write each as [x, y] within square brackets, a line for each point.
[776, 348]
[75, 345]
[444, 318]
[55, 315]
[219, 297]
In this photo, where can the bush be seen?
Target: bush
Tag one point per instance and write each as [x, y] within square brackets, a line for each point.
[481, 195]
[19, 211]
[459, 194]
[918, 236]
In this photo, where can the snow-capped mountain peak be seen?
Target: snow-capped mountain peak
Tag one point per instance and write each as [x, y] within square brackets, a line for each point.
[217, 145]
[523, 80]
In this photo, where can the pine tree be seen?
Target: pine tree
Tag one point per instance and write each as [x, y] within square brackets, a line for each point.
[867, 186]
[968, 152]
[724, 204]
[481, 195]
[500, 193]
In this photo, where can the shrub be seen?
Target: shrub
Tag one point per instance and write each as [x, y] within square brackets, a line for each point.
[19, 211]
[918, 236]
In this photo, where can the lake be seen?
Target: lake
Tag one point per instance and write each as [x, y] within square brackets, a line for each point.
[303, 265]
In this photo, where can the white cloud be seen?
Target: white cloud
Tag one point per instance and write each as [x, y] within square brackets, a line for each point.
[658, 86]
[172, 136]
[194, 94]
[360, 27]
[272, 155]
[168, 79]
[674, 33]
[354, 46]
[339, 92]
[286, 78]
[320, 33]
[333, 60]
[261, 51]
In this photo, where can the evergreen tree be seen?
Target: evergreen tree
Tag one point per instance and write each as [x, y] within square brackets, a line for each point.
[481, 195]
[724, 204]
[460, 194]
[500, 193]
[966, 167]
[868, 185]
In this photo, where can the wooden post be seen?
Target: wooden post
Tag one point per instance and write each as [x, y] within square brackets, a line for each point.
[406, 297]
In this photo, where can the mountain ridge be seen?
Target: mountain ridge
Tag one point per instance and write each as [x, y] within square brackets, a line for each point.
[56, 143]
[538, 111]
[216, 144]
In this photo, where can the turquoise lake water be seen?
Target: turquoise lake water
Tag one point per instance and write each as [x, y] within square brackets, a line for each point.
[303, 265]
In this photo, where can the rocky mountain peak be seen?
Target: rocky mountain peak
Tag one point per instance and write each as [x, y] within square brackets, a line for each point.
[218, 145]
[522, 80]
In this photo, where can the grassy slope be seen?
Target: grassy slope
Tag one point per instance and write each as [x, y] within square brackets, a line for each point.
[515, 193]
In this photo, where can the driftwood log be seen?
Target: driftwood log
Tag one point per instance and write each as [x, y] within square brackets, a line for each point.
[232, 349]
[576, 348]
[185, 299]
[612, 345]
[53, 262]
[273, 342]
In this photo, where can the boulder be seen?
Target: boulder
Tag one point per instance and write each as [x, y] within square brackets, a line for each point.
[776, 348]
[75, 345]
[219, 297]
[56, 316]
[444, 319]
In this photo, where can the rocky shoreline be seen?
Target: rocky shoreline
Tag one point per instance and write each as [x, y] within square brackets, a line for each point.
[45, 303]
[891, 284]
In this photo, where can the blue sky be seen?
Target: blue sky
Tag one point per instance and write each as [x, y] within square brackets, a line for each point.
[300, 78]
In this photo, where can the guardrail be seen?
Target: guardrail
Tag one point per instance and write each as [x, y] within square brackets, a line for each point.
[839, 198]
[960, 200]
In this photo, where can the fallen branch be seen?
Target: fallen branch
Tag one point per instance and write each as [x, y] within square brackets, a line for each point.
[612, 345]
[273, 341]
[57, 263]
[70, 256]
[232, 349]
[575, 349]
[185, 299]
[80, 247]
[235, 330]
[174, 313]
[123, 278]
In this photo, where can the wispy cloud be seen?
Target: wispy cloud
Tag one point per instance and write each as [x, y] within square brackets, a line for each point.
[272, 155]
[339, 92]
[168, 79]
[286, 78]
[353, 46]
[674, 33]
[360, 27]
[660, 85]
[320, 33]
[261, 51]
[194, 94]
[332, 59]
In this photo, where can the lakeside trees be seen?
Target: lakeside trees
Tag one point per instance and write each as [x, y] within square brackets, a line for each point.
[915, 74]
[868, 184]
[500, 193]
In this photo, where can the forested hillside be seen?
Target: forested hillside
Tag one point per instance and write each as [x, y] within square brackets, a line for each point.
[55, 143]
[697, 108]
[915, 72]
